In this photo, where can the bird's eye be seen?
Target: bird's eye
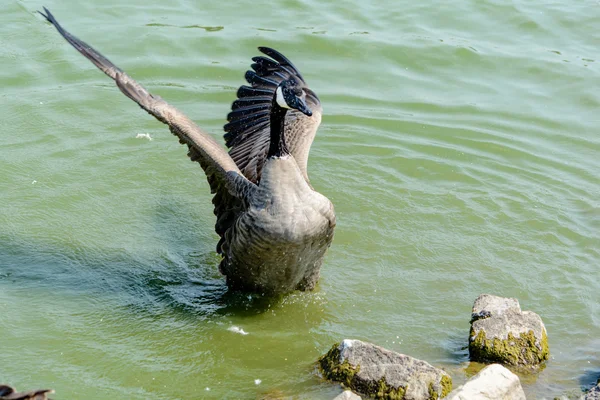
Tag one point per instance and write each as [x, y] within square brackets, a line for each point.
[298, 92]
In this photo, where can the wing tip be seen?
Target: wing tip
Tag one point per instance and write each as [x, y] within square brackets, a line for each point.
[49, 17]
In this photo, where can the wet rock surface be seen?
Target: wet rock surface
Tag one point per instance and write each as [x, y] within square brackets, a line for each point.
[347, 395]
[494, 382]
[383, 374]
[593, 393]
[501, 332]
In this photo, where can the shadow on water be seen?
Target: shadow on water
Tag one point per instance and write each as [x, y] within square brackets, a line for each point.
[173, 278]
[199, 288]
[590, 378]
[456, 347]
[455, 350]
[193, 283]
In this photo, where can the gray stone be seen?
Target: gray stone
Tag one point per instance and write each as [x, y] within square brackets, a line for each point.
[501, 332]
[592, 394]
[487, 304]
[347, 395]
[375, 371]
[494, 382]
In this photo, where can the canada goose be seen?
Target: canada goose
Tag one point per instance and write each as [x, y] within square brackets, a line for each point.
[274, 228]
[9, 393]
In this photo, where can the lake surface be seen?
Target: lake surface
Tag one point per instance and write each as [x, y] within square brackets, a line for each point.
[459, 145]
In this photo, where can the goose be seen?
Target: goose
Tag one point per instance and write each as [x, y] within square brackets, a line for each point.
[274, 228]
[9, 393]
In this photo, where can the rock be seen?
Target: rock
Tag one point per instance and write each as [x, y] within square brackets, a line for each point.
[494, 382]
[593, 393]
[501, 332]
[9, 393]
[347, 395]
[383, 374]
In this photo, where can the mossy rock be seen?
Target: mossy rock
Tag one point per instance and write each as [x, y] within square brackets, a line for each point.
[333, 370]
[518, 351]
[383, 374]
[507, 335]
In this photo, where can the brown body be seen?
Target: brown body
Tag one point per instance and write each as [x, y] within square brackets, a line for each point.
[277, 245]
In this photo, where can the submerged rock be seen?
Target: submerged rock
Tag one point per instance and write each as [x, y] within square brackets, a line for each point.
[347, 395]
[501, 332]
[494, 382]
[9, 393]
[383, 374]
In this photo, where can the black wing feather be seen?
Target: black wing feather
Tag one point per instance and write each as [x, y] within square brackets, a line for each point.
[282, 60]
[242, 112]
[248, 129]
[247, 91]
[256, 80]
[244, 102]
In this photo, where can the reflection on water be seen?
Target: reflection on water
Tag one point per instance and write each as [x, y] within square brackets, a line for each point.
[206, 28]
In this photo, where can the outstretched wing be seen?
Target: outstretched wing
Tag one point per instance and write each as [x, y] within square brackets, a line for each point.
[224, 177]
[248, 130]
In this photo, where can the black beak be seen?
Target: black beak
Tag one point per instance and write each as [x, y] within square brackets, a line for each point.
[303, 108]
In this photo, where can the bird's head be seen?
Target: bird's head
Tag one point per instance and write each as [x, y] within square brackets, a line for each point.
[291, 96]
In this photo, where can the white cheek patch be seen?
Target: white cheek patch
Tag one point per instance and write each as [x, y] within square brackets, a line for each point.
[280, 100]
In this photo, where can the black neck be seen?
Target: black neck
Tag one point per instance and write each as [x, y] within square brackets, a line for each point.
[277, 147]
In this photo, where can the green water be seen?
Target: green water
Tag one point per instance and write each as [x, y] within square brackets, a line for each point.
[459, 145]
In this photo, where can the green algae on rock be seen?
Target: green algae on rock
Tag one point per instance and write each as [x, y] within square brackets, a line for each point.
[383, 374]
[501, 332]
[334, 370]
